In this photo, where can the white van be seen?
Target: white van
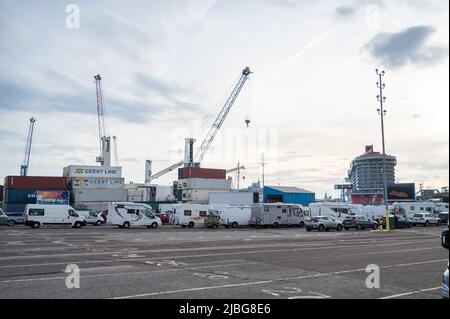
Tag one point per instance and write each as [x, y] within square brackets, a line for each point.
[339, 211]
[234, 216]
[125, 215]
[37, 215]
[410, 209]
[190, 215]
[92, 218]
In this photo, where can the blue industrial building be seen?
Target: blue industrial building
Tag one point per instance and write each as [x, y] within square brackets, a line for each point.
[290, 195]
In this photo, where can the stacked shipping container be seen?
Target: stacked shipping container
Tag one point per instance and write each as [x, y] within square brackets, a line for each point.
[93, 187]
[21, 190]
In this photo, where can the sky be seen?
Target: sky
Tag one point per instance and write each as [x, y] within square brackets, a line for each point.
[167, 66]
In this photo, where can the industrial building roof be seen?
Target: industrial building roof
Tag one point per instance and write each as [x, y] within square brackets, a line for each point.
[291, 190]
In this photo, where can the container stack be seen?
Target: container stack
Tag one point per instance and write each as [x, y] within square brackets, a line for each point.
[195, 184]
[22, 190]
[93, 187]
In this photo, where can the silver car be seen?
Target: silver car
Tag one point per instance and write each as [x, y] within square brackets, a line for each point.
[323, 223]
[425, 219]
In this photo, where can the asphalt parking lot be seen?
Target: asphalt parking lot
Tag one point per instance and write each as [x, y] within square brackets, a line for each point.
[279, 263]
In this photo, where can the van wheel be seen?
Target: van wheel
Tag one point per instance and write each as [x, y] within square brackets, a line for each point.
[302, 224]
[77, 225]
[339, 227]
[275, 225]
[191, 225]
[11, 223]
[98, 223]
[154, 225]
[234, 225]
[36, 225]
[126, 225]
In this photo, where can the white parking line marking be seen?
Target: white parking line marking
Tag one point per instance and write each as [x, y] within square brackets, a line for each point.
[410, 293]
[272, 281]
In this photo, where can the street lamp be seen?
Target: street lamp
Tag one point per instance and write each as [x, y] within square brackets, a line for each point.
[382, 112]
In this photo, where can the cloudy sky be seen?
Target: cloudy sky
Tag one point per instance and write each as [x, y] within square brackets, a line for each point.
[166, 65]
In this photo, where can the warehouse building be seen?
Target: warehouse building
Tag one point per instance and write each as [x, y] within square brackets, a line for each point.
[290, 195]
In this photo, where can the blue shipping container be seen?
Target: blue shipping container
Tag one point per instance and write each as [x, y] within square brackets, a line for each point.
[288, 195]
[20, 196]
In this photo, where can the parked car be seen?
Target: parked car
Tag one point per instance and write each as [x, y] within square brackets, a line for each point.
[401, 221]
[212, 220]
[443, 216]
[359, 223]
[425, 219]
[444, 286]
[323, 223]
[15, 218]
[5, 220]
[92, 218]
[165, 217]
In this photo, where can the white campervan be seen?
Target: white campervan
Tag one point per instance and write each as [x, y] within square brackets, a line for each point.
[410, 209]
[190, 215]
[38, 215]
[234, 216]
[339, 211]
[125, 215]
[92, 218]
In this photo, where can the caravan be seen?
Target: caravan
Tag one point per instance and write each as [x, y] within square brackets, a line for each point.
[192, 215]
[278, 214]
[125, 215]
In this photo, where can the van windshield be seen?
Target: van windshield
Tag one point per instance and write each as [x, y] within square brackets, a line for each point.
[149, 213]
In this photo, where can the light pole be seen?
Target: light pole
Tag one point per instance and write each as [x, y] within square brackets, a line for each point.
[382, 112]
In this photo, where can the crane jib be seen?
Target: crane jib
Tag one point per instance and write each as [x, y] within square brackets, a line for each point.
[222, 116]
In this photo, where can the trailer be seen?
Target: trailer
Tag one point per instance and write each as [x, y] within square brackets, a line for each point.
[276, 215]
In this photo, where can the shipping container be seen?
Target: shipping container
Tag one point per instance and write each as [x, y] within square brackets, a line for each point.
[43, 183]
[20, 196]
[231, 198]
[92, 171]
[203, 183]
[110, 183]
[90, 206]
[100, 195]
[197, 196]
[197, 172]
[14, 208]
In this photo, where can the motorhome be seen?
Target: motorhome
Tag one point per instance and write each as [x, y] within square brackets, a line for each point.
[339, 211]
[126, 215]
[191, 215]
[234, 216]
[375, 212]
[277, 214]
[410, 209]
[92, 218]
[37, 215]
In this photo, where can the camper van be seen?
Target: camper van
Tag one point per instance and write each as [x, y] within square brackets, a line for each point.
[375, 212]
[92, 218]
[37, 215]
[278, 214]
[191, 215]
[340, 211]
[410, 209]
[234, 216]
[126, 215]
